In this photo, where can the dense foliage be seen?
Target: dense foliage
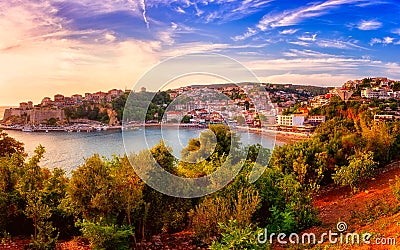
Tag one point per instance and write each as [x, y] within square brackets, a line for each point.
[105, 201]
[87, 111]
[138, 108]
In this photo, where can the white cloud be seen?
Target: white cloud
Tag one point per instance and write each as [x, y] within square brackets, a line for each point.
[250, 32]
[288, 31]
[300, 43]
[339, 44]
[180, 10]
[234, 10]
[311, 38]
[143, 6]
[396, 31]
[385, 41]
[307, 53]
[375, 41]
[295, 16]
[388, 40]
[311, 67]
[110, 37]
[369, 25]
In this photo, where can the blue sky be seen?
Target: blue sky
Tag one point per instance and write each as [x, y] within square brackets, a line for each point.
[77, 46]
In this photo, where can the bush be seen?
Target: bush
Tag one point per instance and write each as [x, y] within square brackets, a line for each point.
[361, 167]
[216, 210]
[237, 237]
[286, 204]
[106, 236]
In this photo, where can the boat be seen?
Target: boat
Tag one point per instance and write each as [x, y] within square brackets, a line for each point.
[27, 129]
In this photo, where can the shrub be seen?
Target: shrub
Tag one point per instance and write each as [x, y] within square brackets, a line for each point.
[216, 210]
[237, 237]
[361, 167]
[286, 204]
[106, 236]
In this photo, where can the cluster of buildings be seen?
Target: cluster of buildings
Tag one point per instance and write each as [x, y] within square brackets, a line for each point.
[378, 87]
[247, 104]
[379, 93]
[28, 113]
[219, 103]
[61, 101]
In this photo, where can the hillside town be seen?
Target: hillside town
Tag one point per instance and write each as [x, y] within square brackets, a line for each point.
[287, 108]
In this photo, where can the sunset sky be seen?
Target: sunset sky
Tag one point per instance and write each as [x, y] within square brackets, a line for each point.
[78, 46]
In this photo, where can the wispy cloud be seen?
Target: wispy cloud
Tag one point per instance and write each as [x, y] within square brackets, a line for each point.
[396, 31]
[143, 6]
[288, 31]
[339, 44]
[311, 38]
[296, 16]
[369, 25]
[307, 53]
[250, 32]
[180, 10]
[234, 10]
[300, 43]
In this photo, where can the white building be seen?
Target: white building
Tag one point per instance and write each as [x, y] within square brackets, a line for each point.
[374, 93]
[173, 116]
[383, 117]
[290, 120]
[316, 119]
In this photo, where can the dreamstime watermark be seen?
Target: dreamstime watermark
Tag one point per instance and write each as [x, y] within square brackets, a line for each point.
[338, 237]
[160, 77]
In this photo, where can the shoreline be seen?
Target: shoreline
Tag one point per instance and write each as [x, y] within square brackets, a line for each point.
[280, 136]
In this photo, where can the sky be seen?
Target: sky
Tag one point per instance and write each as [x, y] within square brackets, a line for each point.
[78, 46]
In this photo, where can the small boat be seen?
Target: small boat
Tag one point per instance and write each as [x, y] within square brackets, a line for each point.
[27, 129]
[47, 131]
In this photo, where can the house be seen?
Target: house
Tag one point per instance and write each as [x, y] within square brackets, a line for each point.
[77, 98]
[99, 97]
[113, 94]
[58, 98]
[47, 102]
[173, 116]
[369, 93]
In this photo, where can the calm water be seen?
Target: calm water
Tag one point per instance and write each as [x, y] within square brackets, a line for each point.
[68, 150]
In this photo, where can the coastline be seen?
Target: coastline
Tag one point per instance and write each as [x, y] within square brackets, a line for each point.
[281, 137]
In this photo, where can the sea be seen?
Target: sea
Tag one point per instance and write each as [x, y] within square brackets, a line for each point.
[68, 150]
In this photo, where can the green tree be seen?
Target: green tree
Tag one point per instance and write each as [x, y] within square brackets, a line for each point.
[30, 186]
[9, 145]
[186, 119]
[52, 121]
[91, 189]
